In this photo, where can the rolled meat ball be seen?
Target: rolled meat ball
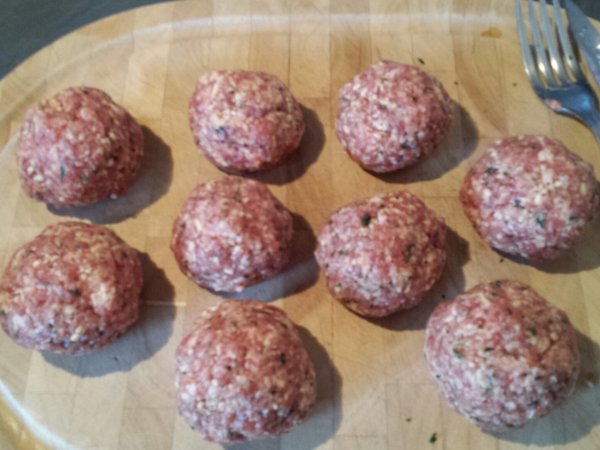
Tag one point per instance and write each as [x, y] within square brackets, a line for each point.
[232, 233]
[502, 355]
[77, 148]
[382, 254]
[245, 121]
[392, 115]
[243, 373]
[73, 289]
[530, 196]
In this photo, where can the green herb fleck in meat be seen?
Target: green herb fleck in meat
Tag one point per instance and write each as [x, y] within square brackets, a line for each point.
[62, 173]
[365, 220]
[532, 330]
[540, 219]
[488, 349]
[491, 171]
[242, 105]
[518, 203]
[85, 178]
[283, 358]
[458, 353]
[75, 292]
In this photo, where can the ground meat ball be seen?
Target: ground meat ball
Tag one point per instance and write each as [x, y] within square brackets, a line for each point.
[392, 115]
[73, 289]
[245, 121]
[530, 196]
[382, 254]
[77, 148]
[501, 354]
[232, 233]
[243, 373]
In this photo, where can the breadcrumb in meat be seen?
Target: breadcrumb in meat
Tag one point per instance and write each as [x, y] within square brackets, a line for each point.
[77, 148]
[73, 289]
[232, 233]
[243, 373]
[382, 254]
[502, 355]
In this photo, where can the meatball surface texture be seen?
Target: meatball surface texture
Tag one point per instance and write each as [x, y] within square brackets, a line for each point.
[243, 373]
[232, 233]
[392, 115]
[502, 355]
[382, 254]
[530, 196]
[245, 121]
[73, 289]
[77, 148]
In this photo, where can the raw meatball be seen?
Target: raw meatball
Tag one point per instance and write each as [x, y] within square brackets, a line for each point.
[73, 289]
[501, 354]
[77, 148]
[382, 254]
[243, 373]
[392, 115]
[530, 196]
[232, 233]
[245, 121]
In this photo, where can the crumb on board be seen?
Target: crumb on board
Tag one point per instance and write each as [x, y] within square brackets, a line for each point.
[433, 438]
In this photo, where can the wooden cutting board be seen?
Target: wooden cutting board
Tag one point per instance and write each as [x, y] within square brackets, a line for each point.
[374, 389]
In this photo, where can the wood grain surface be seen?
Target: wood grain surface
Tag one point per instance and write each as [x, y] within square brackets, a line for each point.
[374, 391]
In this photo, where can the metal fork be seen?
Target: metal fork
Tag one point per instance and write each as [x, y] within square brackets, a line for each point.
[555, 73]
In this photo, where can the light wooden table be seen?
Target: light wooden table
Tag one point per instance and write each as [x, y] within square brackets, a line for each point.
[374, 390]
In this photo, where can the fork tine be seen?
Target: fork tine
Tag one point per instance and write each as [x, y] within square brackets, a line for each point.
[530, 68]
[550, 38]
[540, 52]
[565, 43]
